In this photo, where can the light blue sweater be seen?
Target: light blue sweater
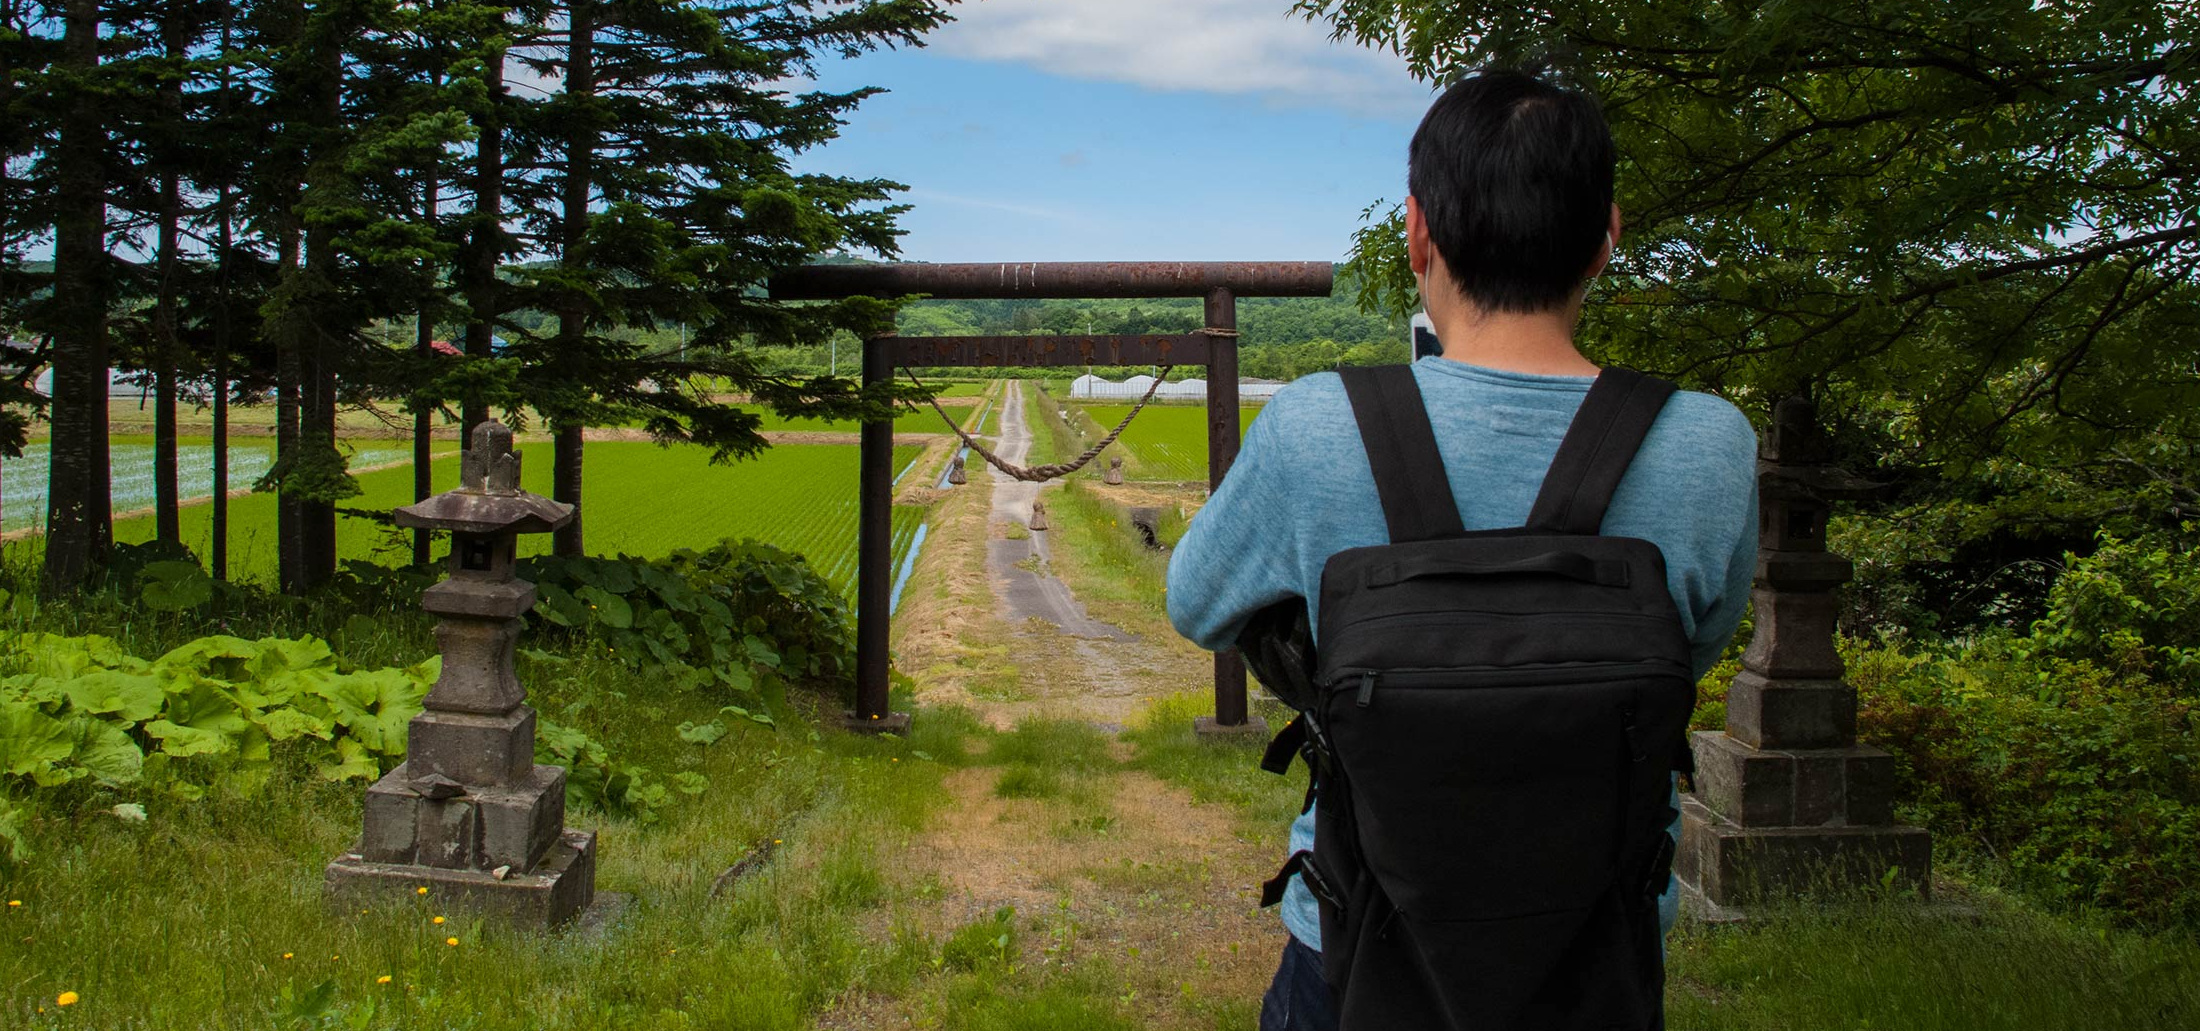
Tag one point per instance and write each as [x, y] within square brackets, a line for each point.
[1301, 491]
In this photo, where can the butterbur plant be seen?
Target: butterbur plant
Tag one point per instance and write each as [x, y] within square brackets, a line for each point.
[81, 713]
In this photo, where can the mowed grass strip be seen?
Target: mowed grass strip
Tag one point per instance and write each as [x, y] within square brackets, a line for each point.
[1165, 442]
[639, 499]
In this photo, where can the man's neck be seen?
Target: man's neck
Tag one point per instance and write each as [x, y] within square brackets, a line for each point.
[1541, 343]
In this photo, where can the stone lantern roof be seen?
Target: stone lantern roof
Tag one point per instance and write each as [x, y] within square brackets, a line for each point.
[488, 498]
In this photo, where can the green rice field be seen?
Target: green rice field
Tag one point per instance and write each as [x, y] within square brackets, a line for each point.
[23, 480]
[921, 420]
[640, 499]
[1165, 442]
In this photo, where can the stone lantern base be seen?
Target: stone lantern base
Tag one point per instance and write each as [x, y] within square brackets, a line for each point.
[1767, 823]
[425, 830]
[553, 894]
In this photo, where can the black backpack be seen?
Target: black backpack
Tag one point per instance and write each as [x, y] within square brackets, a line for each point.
[1491, 722]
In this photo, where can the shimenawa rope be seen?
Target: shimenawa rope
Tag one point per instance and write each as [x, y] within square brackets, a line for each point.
[1043, 473]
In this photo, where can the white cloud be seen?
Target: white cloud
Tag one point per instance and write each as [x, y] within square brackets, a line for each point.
[1249, 47]
[1034, 211]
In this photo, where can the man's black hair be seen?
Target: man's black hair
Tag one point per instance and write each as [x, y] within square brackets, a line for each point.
[1514, 178]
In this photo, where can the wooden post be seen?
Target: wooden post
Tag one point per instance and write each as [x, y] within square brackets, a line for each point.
[875, 555]
[1231, 717]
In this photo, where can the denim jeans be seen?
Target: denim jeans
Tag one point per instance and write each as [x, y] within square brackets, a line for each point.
[1298, 999]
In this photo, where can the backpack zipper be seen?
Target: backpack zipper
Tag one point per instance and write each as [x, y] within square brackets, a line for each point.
[1635, 750]
[1500, 676]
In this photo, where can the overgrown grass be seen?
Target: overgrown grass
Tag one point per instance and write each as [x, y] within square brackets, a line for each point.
[209, 914]
[1217, 772]
[1888, 964]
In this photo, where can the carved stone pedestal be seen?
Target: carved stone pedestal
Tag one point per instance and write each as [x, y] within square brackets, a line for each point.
[1786, 802]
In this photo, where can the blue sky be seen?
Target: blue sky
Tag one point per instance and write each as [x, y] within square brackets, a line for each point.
[1069, 130]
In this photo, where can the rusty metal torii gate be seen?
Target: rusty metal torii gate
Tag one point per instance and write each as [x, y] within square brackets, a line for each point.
[1215, 346]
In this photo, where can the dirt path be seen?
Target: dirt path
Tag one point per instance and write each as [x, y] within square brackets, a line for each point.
[1019, 563]
[1119, 874]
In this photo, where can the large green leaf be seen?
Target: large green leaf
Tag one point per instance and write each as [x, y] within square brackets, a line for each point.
[35, 688]
[220, 656]
[353, 762]
[106, 751]
[288, 723]
[375, 705]
[63, 657]
[201, 720]
[134, 697]
[558, 605]
[12, 821]
[616, 577]
[175, 586]
[612, 610]
[281, 653]
[31, 742]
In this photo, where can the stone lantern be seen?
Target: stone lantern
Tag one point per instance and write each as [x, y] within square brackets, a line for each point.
[469, 815]
[1786, 802]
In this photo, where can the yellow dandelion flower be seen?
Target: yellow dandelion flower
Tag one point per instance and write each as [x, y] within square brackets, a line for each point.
[15, 903]
[384, 979]
[422, 890]
[287, 955]
[453, 942]
[439, 920]
[65, 999]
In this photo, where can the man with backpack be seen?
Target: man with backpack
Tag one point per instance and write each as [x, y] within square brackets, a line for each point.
[1488, 582]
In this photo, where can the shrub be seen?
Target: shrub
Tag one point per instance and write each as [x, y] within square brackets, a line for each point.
[2131, 605]
[697, 618]
[2081, 781]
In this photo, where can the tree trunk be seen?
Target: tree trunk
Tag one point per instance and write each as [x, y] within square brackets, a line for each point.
[565, 486]
[76, 522]
[289, 527]
[224, 341]
[580, 153]
[424, 346]
[317, 401]
[488, 230]
[218, 551]
[167, 498]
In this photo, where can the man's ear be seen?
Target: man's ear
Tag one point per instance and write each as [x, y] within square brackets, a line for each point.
[1417, 245]
[1611, 243]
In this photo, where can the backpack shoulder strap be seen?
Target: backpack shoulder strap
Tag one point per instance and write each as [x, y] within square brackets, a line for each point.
[1401, 449]
[1609, 428]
